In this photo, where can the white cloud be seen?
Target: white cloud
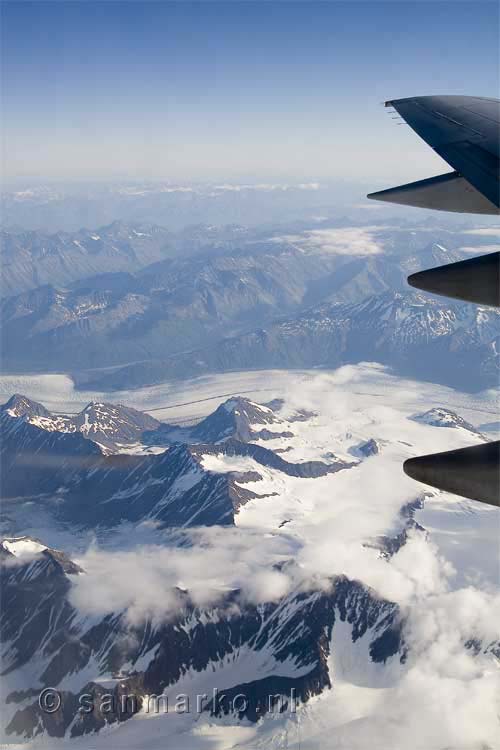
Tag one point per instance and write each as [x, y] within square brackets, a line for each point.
[146, 581]
[355, 241]
[447, 696]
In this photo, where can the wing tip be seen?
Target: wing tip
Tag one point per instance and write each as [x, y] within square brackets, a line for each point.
[474, 280]
[472, 472]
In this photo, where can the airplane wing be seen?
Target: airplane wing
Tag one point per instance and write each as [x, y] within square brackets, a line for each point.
[446, 192]
[454, 280]
[465, 132]
[469, 472]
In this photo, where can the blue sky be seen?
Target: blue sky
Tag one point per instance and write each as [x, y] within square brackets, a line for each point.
[233, 90]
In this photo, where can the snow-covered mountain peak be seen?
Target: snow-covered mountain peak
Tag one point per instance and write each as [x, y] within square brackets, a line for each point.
[441, 417]
[257, 412]
[41, 560]
[22, 406]
[113, 420]
[238, 418]
[250, 413]
[109, 425]
[22, 546]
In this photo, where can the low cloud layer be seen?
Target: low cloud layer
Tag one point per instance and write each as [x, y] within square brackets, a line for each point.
[147, 582]
[353, 241]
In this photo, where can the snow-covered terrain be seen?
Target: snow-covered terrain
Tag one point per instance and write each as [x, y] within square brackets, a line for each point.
[115, 428]
[403, 649]
[191, 400]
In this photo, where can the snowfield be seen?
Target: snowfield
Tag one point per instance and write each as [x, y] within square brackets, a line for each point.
[443, 577]
[191, 400]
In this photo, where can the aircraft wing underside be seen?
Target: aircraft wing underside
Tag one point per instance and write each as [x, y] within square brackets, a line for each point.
[465, 132]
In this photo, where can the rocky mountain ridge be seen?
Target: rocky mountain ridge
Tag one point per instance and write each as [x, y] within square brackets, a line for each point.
[418, 336]
[44, 455]
[245, 299]
[111, 426]
[31, 259]
[295, 633]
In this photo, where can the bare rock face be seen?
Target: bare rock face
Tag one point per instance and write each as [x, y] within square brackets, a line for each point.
[369, 448]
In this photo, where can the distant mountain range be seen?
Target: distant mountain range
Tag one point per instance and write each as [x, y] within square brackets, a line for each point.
[70, 207]
[418, 336]
[232, 299]
[169, 306]
[32, 259]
